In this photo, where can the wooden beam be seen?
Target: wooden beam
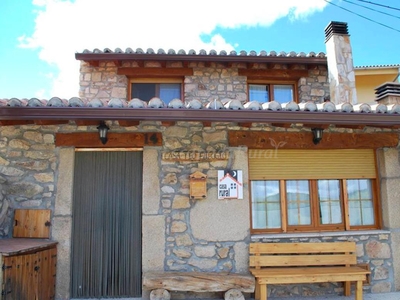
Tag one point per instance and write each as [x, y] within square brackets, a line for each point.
[115, 140]
[87, 122]
[15, 122]
[247, 124]
[304, 140]
[94, 63]
[128, 123]
[118, 63]
[272, 74]
[350, 126]
[51, 122]
[167, 123]
[283, 125]
[155, 72]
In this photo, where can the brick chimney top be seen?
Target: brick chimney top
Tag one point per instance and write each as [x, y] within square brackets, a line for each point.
[335, 28]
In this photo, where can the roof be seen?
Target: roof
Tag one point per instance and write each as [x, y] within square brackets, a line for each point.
[57, 109]
[211, 56]
[373, 67]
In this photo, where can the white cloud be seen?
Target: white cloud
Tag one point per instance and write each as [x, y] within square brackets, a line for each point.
[64, 27]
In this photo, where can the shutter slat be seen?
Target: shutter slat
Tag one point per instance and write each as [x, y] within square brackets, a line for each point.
[311, 164]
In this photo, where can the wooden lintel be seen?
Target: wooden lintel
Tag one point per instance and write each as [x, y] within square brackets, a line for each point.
[272, 74]
[115, 140]
[304, 140]
[15, 122]
[94, 63]
[51, 122]
[167, 123]
[128, 123]
[155, 72]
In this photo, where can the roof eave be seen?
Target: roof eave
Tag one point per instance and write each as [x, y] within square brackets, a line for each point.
[199, 58]
[209, 115]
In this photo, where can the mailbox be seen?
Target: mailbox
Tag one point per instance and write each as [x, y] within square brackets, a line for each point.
[198, 185]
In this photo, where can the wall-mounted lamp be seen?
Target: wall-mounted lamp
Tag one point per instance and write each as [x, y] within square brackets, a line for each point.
[317, 135]
[103, 129]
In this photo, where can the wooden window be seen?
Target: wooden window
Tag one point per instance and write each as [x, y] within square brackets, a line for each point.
[166, 89]
[281, 92]
[290, 192]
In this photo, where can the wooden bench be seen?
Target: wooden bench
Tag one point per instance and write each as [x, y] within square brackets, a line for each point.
[162, 283]
[291, 263]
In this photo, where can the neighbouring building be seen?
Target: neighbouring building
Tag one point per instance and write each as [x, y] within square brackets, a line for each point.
[368, 78]
[130, 203]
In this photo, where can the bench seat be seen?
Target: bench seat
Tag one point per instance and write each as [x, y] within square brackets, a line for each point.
[161, 283]
[294, 263]
[308, 275]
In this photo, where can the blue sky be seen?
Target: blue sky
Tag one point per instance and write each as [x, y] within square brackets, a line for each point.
[38, 38]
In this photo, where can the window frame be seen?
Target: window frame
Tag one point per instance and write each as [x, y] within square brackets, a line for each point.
[156, 80]
[315, 210]
[271, 84]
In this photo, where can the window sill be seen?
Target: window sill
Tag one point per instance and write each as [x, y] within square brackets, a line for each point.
[316, 234]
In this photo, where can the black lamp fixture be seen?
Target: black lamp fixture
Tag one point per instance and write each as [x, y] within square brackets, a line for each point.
[317, 135]
[103, 129]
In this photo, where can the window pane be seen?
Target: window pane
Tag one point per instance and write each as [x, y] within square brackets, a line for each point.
[329, 201]
[266, 208]
[283, 93]
[143, 91]
[258, 92]
[359, 193]
[165, 91]
[169, 91]
[298, 202]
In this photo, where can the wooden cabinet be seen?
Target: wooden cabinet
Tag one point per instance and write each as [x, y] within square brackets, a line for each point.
[28, 269]
[28, 261]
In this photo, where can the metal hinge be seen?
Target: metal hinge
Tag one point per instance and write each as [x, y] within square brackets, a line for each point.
[3, 292]
[4, 267]
[47, 224]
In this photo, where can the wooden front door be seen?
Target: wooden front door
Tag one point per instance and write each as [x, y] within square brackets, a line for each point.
[106, 228]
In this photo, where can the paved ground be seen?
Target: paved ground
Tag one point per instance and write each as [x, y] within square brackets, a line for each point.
[385, 296]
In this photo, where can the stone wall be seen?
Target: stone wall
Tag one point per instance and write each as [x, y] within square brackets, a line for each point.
[206, 234]
[28, 167]
[178, 233]
[373, 249]
[214, 82]
[315, 87]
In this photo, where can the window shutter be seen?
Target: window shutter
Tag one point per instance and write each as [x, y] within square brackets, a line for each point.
[311, 164]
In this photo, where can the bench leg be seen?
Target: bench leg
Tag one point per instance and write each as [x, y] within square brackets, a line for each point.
[359, 290]
[263, 292]
[257, 291]
[347, 288]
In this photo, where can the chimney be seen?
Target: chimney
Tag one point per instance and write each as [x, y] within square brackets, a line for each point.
[388, 93]
[340, 64]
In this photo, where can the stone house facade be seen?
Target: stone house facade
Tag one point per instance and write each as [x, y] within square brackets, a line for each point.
[39, 145]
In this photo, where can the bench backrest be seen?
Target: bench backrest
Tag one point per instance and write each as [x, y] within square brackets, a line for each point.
[302, 254]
